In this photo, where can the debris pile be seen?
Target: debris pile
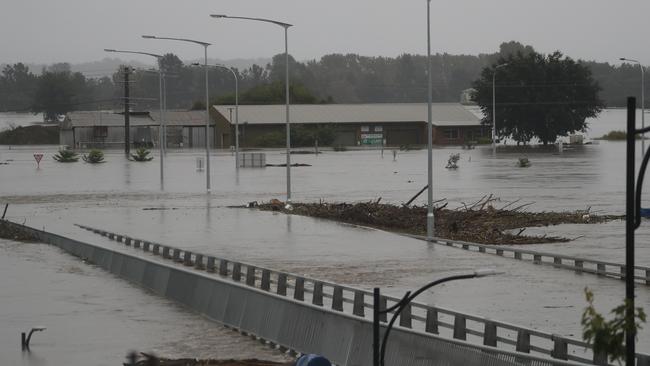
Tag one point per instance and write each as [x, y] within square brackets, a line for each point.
[478, 222]
[149, 360]
[8, 231]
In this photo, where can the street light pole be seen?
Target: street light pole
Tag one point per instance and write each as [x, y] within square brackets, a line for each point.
[234, 74]
[642, 99]
[286, 54]
[161, 78]
[494, 108]
[430, 213]
[207, 101]
[379, 348]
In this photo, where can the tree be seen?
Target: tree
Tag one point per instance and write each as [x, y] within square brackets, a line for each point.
[55, 93]
[542, 96]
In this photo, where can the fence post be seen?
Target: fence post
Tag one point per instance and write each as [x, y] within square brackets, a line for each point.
[118, 238]
[405, 317]
[236, 271]
[647, 277]
[517, 255]
[490, 334]
[266, 280]
[523, 341]
[145, 246]
[431, 322]
[282, 284]
[560, 348]
[358, 308]
[500, 252]
[623, 269]
[223, 267]
[383, 305]
[299, 289]
[481, 249]
[537, 259]
[198, 261]
[156, 249]
[210, 266]
[579, 264]
[127, 241]
[176, 253]
[250, 275]
[187, 258]
[460, 327]
[601, 269]
[337, 298]
[317, 299]
[557, 261]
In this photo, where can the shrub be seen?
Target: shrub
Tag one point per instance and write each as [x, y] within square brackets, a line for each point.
[142, 154]
[94, 157]
[66, 156]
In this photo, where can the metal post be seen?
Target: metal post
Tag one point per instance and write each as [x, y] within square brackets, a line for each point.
[127, 122]
[161, 139]
[375, 327]
[236, 120]
[494, 113]
[286, 54]
[630, 333]
[642, 107]
[165, 112]
[430, 214]
[207, 122]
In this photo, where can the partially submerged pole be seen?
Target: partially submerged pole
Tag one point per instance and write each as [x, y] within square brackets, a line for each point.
[630, 334]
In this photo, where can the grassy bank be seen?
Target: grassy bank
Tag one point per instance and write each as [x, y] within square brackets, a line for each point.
[30, 135]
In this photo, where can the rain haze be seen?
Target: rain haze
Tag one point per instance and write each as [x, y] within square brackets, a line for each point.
[38, 31]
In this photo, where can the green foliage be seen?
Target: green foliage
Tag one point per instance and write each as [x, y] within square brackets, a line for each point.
[617, 135]
[607, 336]
[142, 154]
[66, 156]
[523, 163]
[271, 93]
[539, 96]
[94, 157]
[30, 135]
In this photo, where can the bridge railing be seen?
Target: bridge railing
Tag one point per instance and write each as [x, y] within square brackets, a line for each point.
[358, 302]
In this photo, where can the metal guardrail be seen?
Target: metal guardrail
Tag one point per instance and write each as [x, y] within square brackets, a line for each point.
[579, 265]
[420, 317]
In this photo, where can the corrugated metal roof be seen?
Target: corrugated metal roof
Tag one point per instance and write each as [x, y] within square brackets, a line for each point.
[444, 114]
[107, 118]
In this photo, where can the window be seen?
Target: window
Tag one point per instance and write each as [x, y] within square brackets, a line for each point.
[451, 133]
[365, 128]
[379, 128]
[100, 131]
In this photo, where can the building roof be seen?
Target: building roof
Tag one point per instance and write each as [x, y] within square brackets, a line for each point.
[444, 114]
[109, 118]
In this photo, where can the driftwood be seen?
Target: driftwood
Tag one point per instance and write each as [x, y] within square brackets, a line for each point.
[478, 222]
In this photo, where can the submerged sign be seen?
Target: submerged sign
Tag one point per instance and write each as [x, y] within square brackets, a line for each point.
[371, 138]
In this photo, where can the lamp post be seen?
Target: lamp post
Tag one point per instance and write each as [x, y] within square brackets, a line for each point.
[286, 55]
[234, 74]
[161, 101]
[494, 108]
[430, 214]
[642, 99]
[207, 101]
[379, 348]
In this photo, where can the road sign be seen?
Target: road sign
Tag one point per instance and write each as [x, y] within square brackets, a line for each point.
[38, 157]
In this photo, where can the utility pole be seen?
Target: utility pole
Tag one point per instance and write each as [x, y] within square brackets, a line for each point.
[127, 122]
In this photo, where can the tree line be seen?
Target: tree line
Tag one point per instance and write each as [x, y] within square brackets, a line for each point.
[335, 78]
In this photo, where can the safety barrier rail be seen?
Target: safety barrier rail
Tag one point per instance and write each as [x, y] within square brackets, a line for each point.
[579, 265]
[421, 317]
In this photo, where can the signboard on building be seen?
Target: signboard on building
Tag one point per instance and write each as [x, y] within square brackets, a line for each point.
[371, 138]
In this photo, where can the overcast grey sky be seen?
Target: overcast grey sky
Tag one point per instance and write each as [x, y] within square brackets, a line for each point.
[46, 31]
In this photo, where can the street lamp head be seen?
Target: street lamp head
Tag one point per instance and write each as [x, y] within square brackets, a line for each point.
[109, 50]
[623, 59]
[218, 15]
[149, 37]
[38, 329]
[486, 272]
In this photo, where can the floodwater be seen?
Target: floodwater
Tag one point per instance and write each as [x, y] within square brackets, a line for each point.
[118, 196]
